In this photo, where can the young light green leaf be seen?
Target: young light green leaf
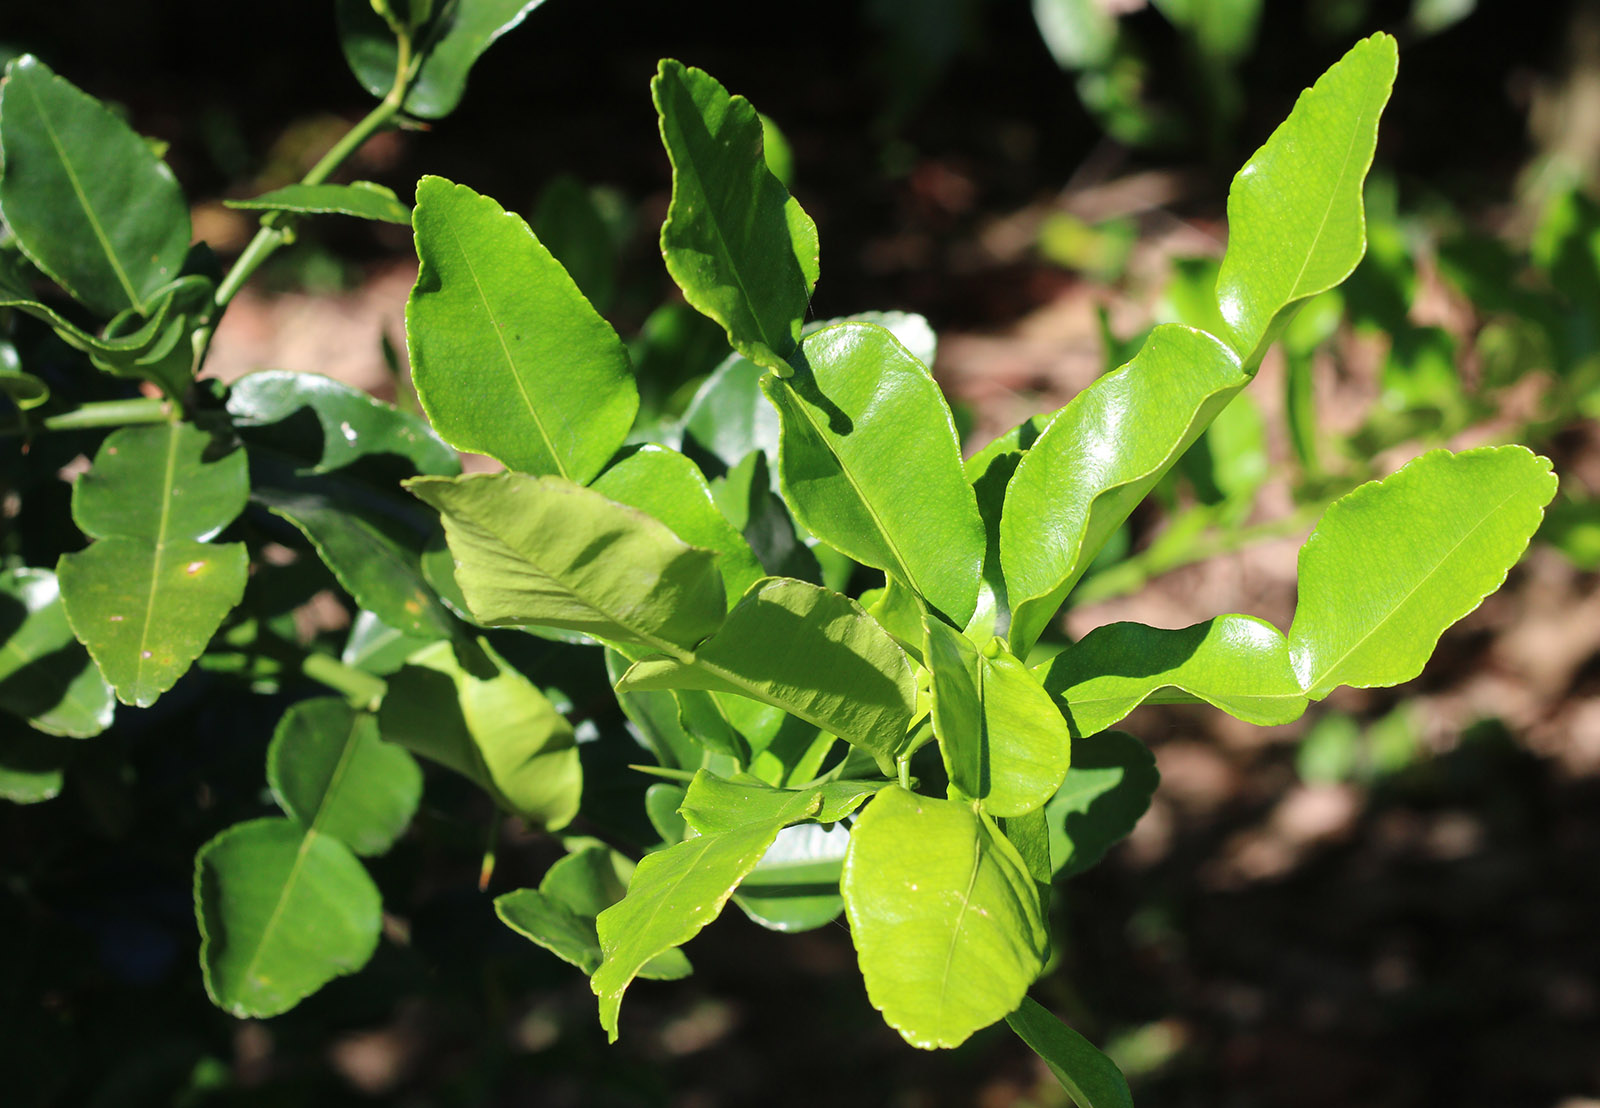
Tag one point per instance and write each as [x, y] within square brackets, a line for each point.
[671, 488]
[559, 915]
[1004, 741]
[795, 886]
[945, 917]
[46, 677]
[1237, 663]
[674, 893]
[283, 910]
[362, 199]
[329, 770]
[448, 47]
[507, 356]
[714, 804]
[146, 598]
[1296, 226]
[501, 733]
[811, 652]
[1109, 786]
[738, 245]
[1395, 562]
[1098, 459]
[1090, 1078]
[540, 550]
[860, 416]
[279, 409]
[89, 202]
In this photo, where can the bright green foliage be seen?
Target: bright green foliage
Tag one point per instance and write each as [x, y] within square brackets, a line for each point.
[283, 909]
[740, 247]
[508, 357]
[1105, 792]
[147, 596]
[859, 414]
[671, 488]
[328, 769]
[1237, 663]
[714, 804]
[88, 201]
[795, 886]
[1004, 741]
[448, 44]
[1397, 561]
[674, 893]
[944, 914]
[500, 732]
[540, 550]
[811, 652]
[1295, 220]
[560, 914]
[1090, 1078]
[362, 199]
[46, 677]
[1098, 459]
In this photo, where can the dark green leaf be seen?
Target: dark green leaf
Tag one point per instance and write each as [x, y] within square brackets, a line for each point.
[362, 199]
[738, 245]
[860, 415]
[88, 201]
[1109, 786]
[1090, 1078]
[329, 770]
[507, 356]
[46, 677]
[540, 550]
[282, 911]
[572, 228]
[31, 764]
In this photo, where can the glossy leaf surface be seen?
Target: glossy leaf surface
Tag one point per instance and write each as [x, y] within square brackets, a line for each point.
[88, 200]
[1098, 459]
[450, 45]
[329, 425]
[795, 886]
[362, 199]
[1004, 741]
[1395, 562]
[329, 770]
[146, 598]
[1296, 225]
[1237, 663]
[502, 733]
[1107, 790]
[46, 677]
[671, 488]
[540, 550]
[870, 464]
[945, 917]
[559, 915]
[282, 910]
[507, 356]
[1090, 1078]
[811, 652]
[738, 245]
[674, 893]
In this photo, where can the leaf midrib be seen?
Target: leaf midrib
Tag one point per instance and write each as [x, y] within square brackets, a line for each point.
[83, 200]
[162, 524]
[955, 929]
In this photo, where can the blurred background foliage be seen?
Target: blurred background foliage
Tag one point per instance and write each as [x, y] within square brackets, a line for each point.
[1393, 902]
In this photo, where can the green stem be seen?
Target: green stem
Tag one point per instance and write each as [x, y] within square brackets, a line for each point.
[274, 231]
[361, 688]
[101, 413]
